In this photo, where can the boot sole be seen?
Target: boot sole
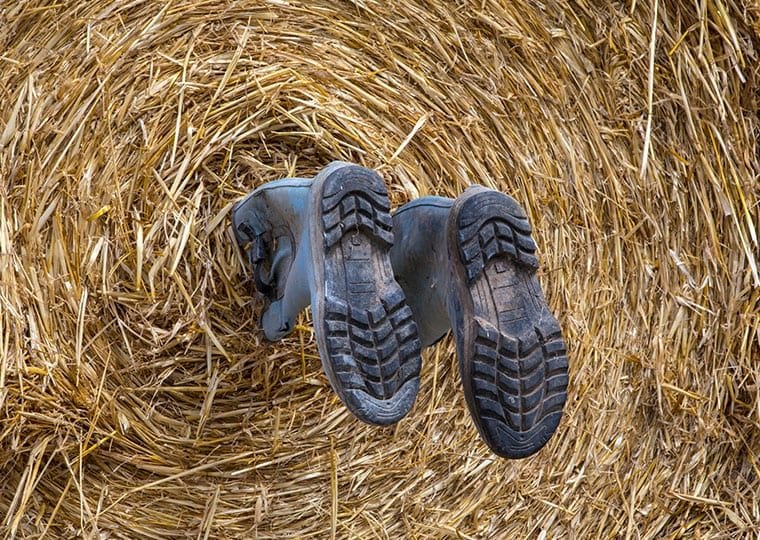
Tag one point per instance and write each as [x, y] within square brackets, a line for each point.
[512, 357]
[366, 335]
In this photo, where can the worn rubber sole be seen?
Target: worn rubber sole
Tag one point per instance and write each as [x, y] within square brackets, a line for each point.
[365, 332]
[512, 357]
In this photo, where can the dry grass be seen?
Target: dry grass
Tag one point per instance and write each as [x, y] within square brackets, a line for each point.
[137, 398]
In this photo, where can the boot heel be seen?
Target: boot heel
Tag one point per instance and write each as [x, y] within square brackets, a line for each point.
[512, 356]
[494, 227]
[350, 204]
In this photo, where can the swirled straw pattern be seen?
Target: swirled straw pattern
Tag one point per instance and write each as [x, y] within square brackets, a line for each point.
[137, 396]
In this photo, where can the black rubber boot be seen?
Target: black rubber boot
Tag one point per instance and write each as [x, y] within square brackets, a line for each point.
[326, 242]
[469, 264]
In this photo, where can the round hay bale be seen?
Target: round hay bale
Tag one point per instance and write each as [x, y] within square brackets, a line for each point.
[137, 397]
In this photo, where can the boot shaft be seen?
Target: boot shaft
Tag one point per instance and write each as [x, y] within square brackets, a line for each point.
[421, 264]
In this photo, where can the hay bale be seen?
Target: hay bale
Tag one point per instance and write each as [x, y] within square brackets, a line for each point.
[137, 398]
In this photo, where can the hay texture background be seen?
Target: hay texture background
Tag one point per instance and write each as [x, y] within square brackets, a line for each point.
[137, 397]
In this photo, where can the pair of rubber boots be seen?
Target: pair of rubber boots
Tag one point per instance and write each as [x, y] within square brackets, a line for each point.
[383, 286]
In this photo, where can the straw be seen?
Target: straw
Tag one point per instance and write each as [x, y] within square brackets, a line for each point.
[138, 398]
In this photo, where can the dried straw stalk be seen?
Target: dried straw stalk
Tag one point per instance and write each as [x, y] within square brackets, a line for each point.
[137, 398]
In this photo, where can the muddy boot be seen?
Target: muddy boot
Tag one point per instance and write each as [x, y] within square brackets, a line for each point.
[325, 242]
[469, 264]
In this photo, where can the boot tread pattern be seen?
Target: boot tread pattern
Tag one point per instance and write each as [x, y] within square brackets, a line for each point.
[516, 369]
[497, 226]
[372, 344]
[356, 205]
[377, 350]
[519, 384]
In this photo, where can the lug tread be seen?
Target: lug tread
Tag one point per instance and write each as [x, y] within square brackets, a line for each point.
[519, 396]
[384, 346]
[353, 202]
[495, 226]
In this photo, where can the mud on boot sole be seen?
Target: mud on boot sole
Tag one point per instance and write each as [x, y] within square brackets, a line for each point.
[512, 356]
[368, 341]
